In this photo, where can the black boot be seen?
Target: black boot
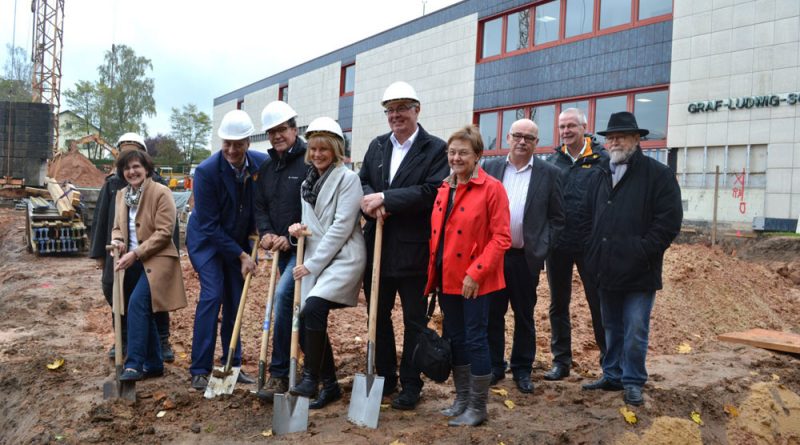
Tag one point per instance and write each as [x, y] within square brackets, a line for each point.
[461, 380]
[331, 391]
[314, 348]
[162, 326]
[475, 414]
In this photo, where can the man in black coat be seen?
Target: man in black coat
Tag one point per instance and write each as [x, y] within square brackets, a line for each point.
[399, 176]
[635, 213]
[537, 218]
[102, 223]
[578, 158]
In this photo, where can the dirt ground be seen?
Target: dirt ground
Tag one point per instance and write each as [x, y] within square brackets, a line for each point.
[52, 308]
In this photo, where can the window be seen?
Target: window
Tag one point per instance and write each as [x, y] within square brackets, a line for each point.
[348, 79]
[348, 141]
[547, 22]
[651, 113]
[517, 30]
[653, 8]
[509, 117]
[580, 17]
[283, 93]
[603, 110]
[582, 105]
[488, 126]
[239, 104]
[545, 118]
[492, 37]
[614, 12]
[514, 31]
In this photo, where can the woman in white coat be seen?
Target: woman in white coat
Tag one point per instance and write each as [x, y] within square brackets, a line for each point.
[335, 254]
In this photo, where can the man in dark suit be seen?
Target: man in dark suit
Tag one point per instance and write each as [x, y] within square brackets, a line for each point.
[537, 217]
[217, 241]
[399, 177]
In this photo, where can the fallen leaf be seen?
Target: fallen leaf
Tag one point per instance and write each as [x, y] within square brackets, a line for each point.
[56, 364]
[384, 406]
[684, 348]
[500, 392]
[397, 442]
[731, 410]
[168, 404]
[629, 415]
[696, 417]
[182, 355]
[508, 403]
[501, 443]
[161, 414]
[159, 396]
[267, 433]
[58, 437]
[776, 377]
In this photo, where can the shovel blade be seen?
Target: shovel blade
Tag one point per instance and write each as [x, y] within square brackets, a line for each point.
[218, 386]
[116, 389]
[365, 400]
[111, 390]
[289, 414]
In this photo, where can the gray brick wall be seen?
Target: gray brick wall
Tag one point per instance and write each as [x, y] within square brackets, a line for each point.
[26, 138]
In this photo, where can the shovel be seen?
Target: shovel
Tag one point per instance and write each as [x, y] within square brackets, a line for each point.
[290, 412]
[365, 401]
[116, 389]
[224, 379]
[262, 356]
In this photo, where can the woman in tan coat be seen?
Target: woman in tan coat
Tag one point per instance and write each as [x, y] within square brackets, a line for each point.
[143, 225]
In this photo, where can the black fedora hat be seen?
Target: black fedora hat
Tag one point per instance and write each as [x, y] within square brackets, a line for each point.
[623, 122]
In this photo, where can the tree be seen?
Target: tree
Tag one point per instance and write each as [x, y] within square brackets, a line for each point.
[164, 150]
[125, 93]
[15, 84]
[84, 101]
[191, 129]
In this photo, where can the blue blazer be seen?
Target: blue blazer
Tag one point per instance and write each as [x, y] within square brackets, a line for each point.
[221, 221]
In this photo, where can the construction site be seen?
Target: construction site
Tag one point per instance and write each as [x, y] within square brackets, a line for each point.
[724, 347]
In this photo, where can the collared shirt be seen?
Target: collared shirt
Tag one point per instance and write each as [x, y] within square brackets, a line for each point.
[516, 183]
[617, 172]
[240, 173]
[587, 145]
[399, 152]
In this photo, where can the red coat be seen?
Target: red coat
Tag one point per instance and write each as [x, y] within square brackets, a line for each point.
[476, 236]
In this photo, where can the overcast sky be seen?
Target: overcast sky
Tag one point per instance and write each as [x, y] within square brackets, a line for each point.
[199, 53]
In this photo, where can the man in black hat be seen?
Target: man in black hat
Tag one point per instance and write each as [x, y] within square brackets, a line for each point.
[635, 212]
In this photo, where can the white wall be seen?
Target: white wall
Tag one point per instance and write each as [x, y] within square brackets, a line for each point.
[316, 93]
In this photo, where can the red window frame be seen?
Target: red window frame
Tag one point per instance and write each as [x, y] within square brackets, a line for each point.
[281, 89]
[590, 115]
[239, 104]
[342, 79]
[596, 31]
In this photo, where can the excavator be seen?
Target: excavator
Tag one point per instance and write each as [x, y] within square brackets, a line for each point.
[73, 146]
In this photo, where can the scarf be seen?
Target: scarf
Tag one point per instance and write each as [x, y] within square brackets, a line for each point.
[132, 196]
[313, 184]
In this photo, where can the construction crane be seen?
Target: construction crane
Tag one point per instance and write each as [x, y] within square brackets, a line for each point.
[48, 40]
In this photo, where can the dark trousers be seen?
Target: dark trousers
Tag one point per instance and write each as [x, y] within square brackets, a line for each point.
[626, 317]
[131, 278]
[520, 291]
[144, 346]
[465, 323]
[282, 328]
[414, 302]
[314, 317]
[221, 285]
[559, 275]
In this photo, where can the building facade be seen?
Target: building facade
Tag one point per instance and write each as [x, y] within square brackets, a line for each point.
[715, 81]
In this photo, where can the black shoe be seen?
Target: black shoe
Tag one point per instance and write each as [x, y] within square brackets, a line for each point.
[524, 384]
[407, 400]
[557, 372]
[307, 387]
[389, 386]
[331, 392]
[496, 378]
[148, 374]
[604, 384]
[167, 353]
[131, 375]
[200, 381]
[633, 395]
[244, 378]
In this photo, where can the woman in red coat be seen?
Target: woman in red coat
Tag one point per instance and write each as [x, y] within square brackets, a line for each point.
[469, 236]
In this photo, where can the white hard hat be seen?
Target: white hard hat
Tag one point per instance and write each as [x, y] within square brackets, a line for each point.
[134, 138]
[276, 113]
[324, 125]
[399, 90]
[235, 125]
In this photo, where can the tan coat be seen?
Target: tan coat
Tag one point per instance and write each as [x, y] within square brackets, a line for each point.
[155, 222]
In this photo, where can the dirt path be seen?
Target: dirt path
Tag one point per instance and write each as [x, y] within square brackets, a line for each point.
[53, 308]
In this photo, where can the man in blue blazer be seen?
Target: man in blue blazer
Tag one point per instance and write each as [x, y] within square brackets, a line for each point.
[217, 241]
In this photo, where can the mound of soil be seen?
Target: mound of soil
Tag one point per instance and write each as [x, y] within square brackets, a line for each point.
[76, 168]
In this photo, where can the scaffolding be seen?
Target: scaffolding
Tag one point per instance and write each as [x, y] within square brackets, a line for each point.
[48, 33]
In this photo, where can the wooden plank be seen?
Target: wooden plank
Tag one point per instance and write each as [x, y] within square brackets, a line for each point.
[765, 339]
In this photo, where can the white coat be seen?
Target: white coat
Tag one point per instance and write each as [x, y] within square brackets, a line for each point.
[335, 253]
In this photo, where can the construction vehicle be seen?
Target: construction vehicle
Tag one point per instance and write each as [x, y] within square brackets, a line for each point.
[73, 146]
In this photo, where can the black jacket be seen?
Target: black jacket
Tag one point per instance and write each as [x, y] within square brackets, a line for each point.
[277, 190]
[575, 178]
[103, 222]
[632, 224]
[409, 200]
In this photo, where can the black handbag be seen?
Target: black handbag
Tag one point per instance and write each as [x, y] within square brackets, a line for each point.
[432, 354]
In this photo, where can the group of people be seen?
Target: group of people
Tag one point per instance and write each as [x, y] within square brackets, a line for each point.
[473, 232]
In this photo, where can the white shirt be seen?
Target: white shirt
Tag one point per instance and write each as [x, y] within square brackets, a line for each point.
[133, 242]
[399, 152]
[516, 183]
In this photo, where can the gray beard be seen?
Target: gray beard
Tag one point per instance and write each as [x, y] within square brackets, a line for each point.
[620, 157]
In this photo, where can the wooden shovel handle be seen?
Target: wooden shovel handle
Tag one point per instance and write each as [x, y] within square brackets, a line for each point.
[301, 246]
[273, 276]
[376, 278]
[240, 313]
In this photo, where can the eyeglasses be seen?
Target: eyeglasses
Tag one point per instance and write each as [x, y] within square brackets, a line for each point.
[527, 137]
[398, 109]
[617, 137]
[274, 131]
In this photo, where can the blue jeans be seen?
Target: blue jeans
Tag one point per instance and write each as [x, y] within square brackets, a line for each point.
[466, 324]
[626, 319]
[282, 330]
[144, 345]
